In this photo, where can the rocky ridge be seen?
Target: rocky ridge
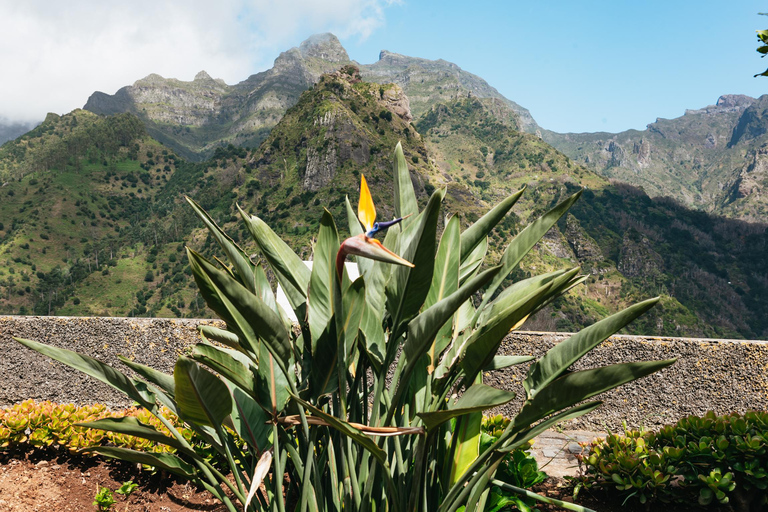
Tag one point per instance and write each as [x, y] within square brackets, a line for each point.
[697, 158]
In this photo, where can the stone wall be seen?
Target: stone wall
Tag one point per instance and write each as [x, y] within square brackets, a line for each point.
[719, 375]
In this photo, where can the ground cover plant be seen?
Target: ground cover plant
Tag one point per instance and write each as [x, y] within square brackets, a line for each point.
[713, 460]
[374, 400]
[44, 424]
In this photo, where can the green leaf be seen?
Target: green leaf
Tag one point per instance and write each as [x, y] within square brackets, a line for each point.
[467, 439]
[350, 313]
[572, 388]
[323, 278]
[290, 271]
[477, 398]
[557, 280]
[160, 379]
[348, 430]
[482, 345]
[201, 396]
[166, 461]
[324, 376]
[523, 437]
[223, 336]
[524, 242]
[501, 362]
[423, 328]
[243, 305]
[96, 369]
[240, 261]
[445, 281]
[225, 364]
[273, 382]
[373, 334]
[250, 420]
[478, 231]
[405, 197]
[560, 357]
[408, 287]
[131, 426]
[473, 260]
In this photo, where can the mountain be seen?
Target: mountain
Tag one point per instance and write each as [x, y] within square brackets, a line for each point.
[128, 192]
[10, 130]
[195, 117]
[427, 82]
[710, 158]
[706, 268]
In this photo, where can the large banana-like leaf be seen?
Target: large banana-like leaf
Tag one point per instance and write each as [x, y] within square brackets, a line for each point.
[475, 233]
[445, 281]
[474, 259]
[135, 389]
[226, 365]
[408, 287]
[131, 426]
[222, 305]
[290, 271]
[252, 313]
[223, 336]
[501, 362]
[481, 347]
[373, 334]
[522, 437]
[405, 197]
[160, 379]
[423, 328]
[572, 388]
[273, 386]
[478, 397]
[349, 307]
[323, 375]
[560, 357]
[250, 420]
[201, 396]
[166, 461]
[522, 288]
[323, 278]
[239, 259]
[524, 242]
[467, 439]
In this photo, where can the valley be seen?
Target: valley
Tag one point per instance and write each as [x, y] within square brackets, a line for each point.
[93, 222]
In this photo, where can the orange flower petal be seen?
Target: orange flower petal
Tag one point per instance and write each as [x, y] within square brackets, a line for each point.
[366, 212]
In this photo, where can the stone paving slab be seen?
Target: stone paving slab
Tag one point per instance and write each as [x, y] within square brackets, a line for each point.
[555, 450]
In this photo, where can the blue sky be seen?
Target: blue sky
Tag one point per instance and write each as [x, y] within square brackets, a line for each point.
[588, 66]
[577, 66]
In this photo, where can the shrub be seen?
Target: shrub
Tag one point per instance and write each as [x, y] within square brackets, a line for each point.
[317, 400]
[706, 459]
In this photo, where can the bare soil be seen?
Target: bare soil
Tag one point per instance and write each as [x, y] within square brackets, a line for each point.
[57, 481]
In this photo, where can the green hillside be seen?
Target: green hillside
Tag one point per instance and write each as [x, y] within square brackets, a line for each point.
[625, 240]
[100, 229]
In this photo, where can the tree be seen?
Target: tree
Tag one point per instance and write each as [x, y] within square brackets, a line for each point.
[762, 49]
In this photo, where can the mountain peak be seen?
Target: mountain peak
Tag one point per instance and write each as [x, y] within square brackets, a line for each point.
[734, 100]
[202, 76]
[324, 46]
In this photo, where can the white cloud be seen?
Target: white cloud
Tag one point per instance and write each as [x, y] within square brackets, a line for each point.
[54, 54]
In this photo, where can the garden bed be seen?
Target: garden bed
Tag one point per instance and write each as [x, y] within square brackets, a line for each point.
[56, 479]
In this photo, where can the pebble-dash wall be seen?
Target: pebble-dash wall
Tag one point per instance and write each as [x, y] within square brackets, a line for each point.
[721, 375]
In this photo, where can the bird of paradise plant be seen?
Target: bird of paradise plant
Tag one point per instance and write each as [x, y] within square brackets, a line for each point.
[371, 402]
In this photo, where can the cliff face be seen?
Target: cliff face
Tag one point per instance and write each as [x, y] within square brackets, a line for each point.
[705, 158]
[428, 82]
